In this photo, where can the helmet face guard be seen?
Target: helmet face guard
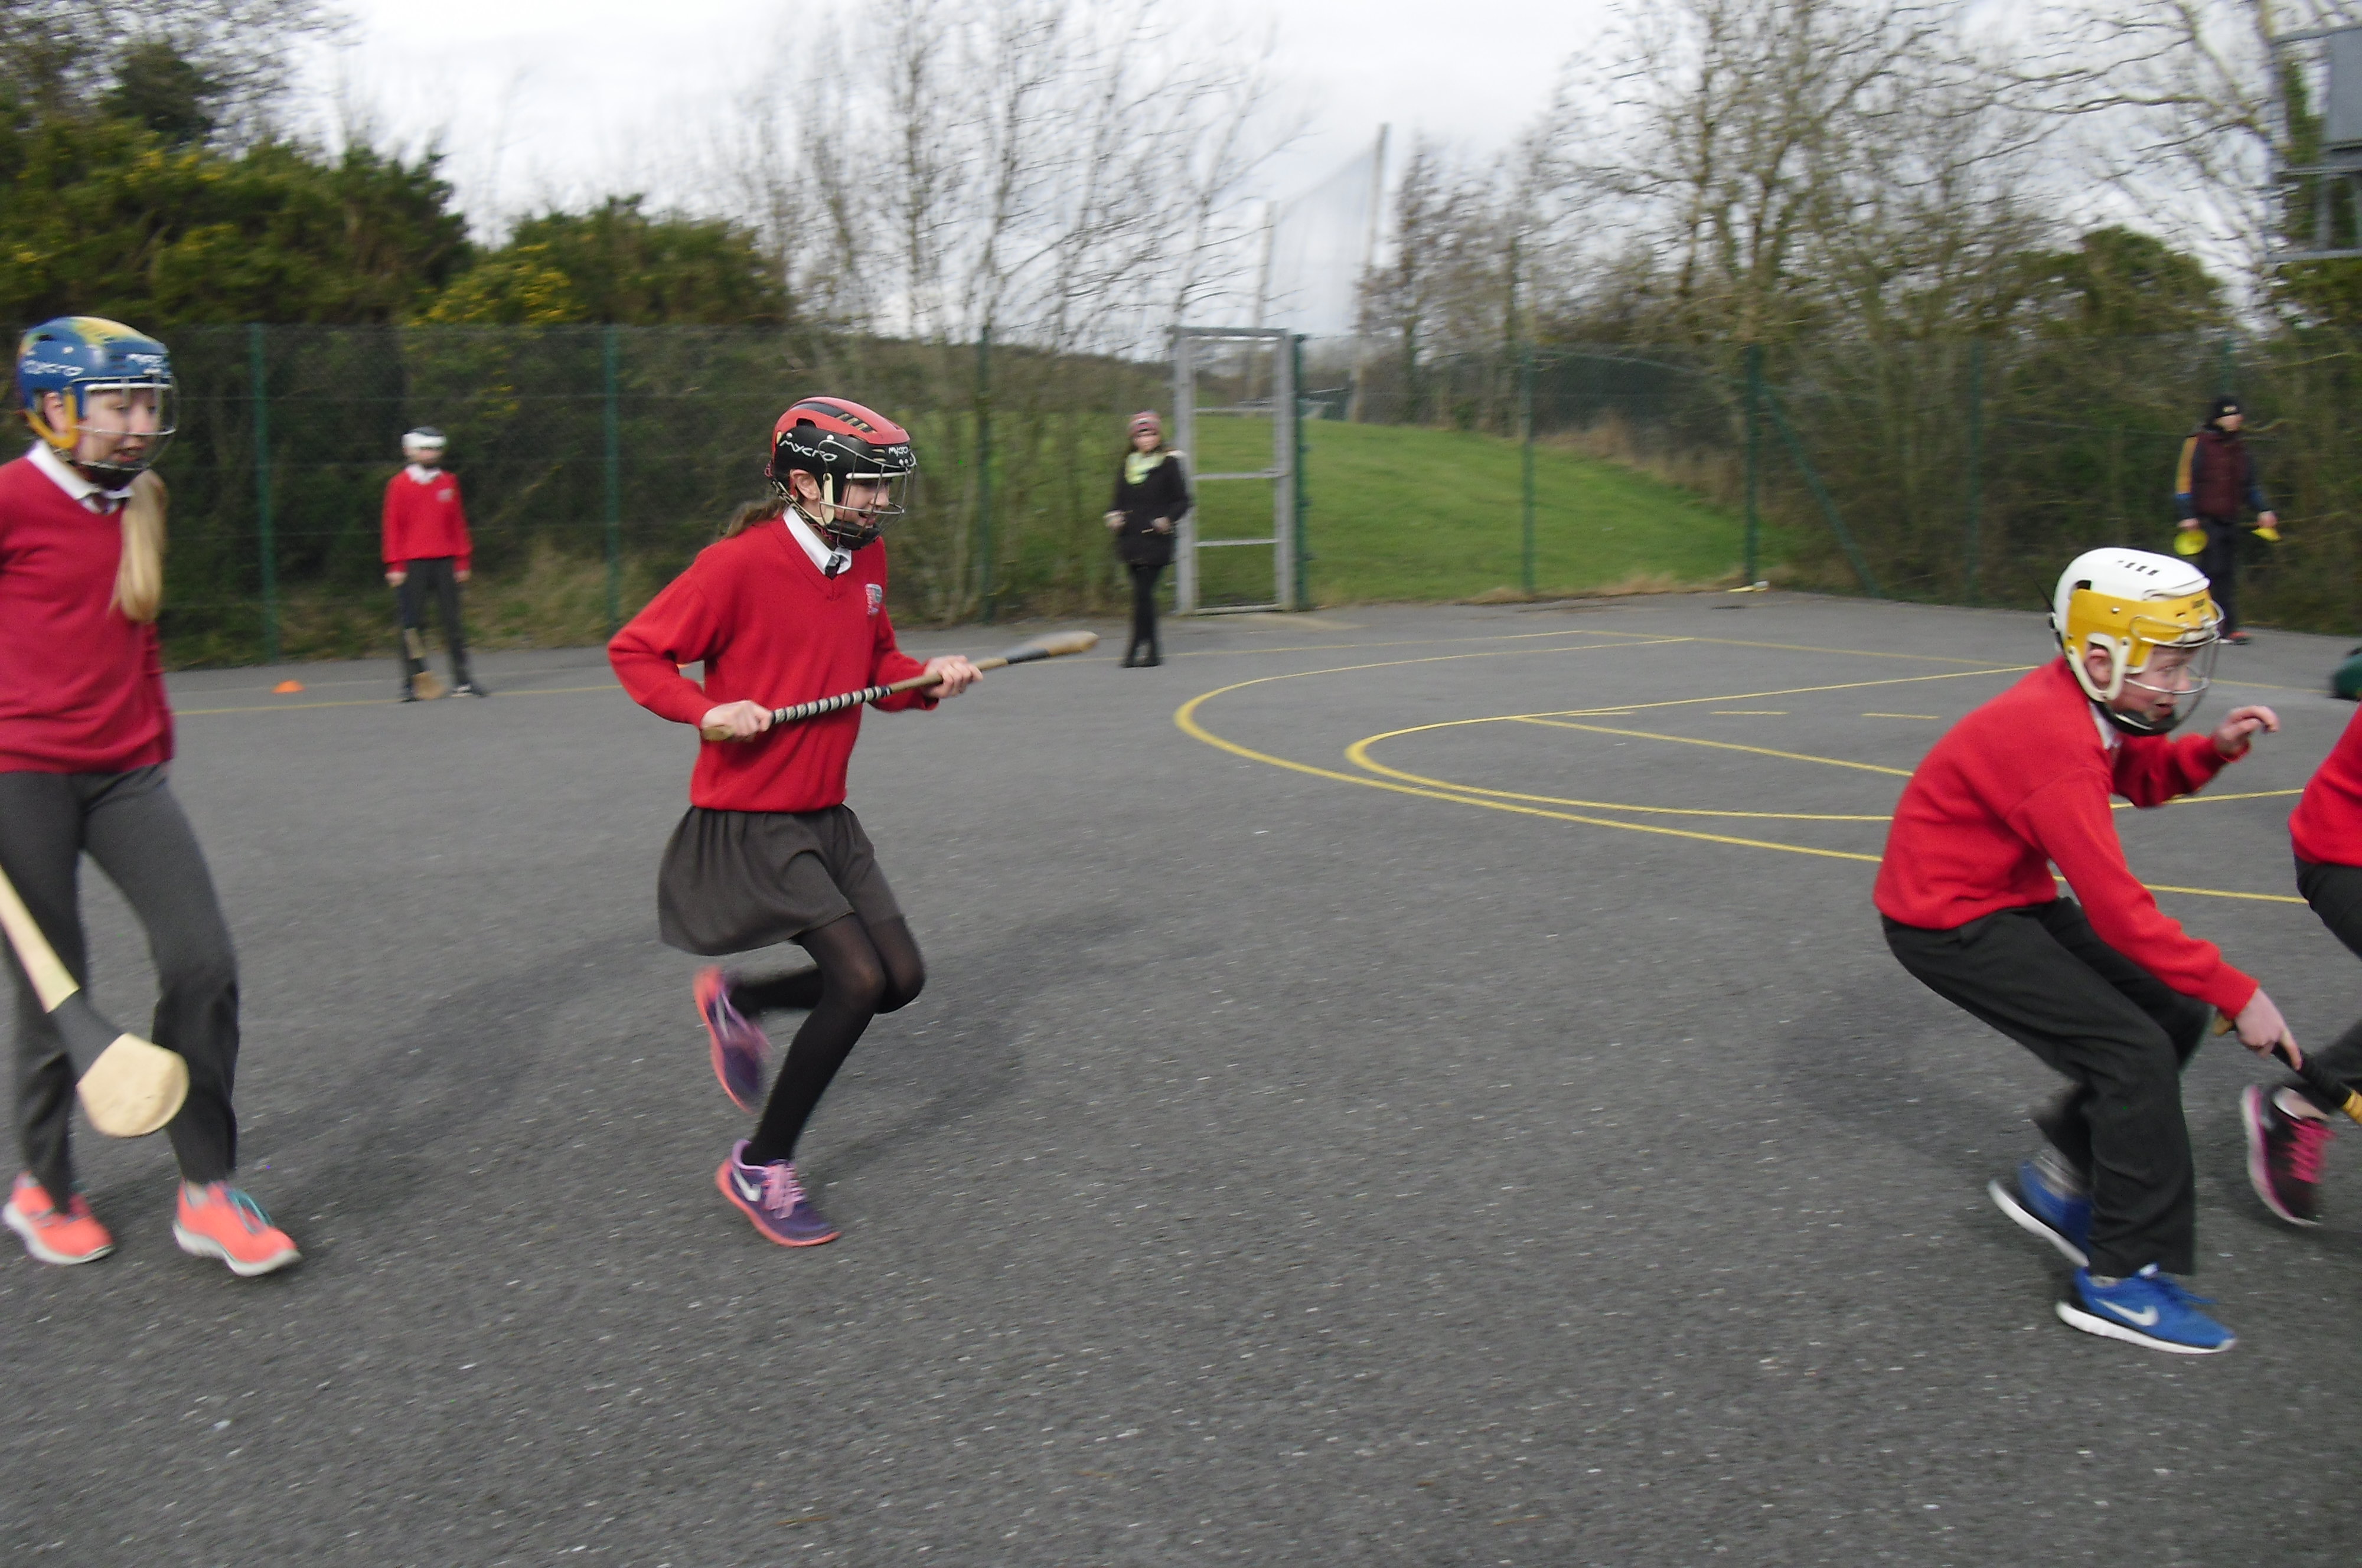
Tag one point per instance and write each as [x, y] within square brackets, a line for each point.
[110, 382]
[2162, 651]
[855, 527]
[139, 418]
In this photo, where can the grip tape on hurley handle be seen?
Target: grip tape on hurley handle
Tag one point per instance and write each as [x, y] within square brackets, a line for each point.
[2325, 1086]
[1050, 646]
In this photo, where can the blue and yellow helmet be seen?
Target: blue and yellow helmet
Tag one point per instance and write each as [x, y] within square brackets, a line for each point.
[75, 355]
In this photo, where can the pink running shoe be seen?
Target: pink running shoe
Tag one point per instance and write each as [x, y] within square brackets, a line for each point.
[217, 1221]
[772, 1197]
[740, 1051]
[2284, 1157]
[55, 1235]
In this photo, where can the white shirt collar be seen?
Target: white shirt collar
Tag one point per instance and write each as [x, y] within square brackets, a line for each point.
[420, 473]
[2111, 737]
[74, 483]
[813, 544]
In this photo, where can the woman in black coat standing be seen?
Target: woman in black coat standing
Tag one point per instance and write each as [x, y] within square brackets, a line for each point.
[1152, 496]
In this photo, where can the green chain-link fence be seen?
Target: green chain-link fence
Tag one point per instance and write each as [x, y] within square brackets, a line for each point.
[595, 461]
[1964, 472]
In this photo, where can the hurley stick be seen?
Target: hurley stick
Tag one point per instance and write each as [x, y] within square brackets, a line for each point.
[424, 684]
[1050, 646]
[2316, 1078]
[131, 1087]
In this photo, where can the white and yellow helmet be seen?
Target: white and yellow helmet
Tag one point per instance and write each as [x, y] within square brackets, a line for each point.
[2130, 604]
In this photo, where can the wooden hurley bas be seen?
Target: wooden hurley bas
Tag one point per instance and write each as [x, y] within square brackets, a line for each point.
[1050, 646]
[129, 1087]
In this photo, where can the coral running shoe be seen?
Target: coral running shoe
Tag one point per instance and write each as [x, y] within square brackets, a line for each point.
[68, 1235]
[772, 1197]
[218, 1221]
[2146, 1308]
[2046, 1209]
[741, 1050]
[2284, 1157]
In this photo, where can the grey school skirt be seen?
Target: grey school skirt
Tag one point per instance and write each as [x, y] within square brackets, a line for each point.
[733, 881]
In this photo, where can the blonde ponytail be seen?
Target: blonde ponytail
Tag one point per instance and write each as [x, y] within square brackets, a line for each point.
[139, 578]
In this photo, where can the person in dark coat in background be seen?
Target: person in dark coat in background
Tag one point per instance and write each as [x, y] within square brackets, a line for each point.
[1152, 496]
[2214, 478]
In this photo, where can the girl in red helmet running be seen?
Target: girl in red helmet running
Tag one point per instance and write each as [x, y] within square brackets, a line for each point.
[788, 605]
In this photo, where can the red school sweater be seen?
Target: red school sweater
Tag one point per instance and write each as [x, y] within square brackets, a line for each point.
[2326, 827]
[81, 688]
[769, 629]
[2022, 784]
[424, 521]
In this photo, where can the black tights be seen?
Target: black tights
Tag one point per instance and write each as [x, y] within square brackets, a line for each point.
[862, 972]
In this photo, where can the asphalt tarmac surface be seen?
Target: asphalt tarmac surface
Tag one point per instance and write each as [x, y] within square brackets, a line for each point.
[1310, 1148]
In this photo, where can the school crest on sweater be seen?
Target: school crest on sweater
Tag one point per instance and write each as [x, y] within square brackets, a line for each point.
[876, 591]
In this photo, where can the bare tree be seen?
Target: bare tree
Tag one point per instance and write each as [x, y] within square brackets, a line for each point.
[1058, 173]
[65, 53]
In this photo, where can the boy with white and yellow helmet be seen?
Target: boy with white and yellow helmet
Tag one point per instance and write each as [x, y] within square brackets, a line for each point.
[2103, 986]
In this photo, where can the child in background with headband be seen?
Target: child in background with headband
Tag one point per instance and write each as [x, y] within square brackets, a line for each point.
[428, 552]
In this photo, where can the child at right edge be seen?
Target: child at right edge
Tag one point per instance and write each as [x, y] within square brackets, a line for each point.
[2288, 1127]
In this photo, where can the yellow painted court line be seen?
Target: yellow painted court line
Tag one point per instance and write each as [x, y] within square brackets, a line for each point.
[1361, 759]
[1898, 716]
[380, 701]
[1185, 719]
[1359, 754]
[1747, 713]
[1624, 708]
[2226, 894]
[1725, 745]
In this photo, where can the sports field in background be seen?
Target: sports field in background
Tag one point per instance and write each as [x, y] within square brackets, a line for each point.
[1401, 513]
[1414, 1086]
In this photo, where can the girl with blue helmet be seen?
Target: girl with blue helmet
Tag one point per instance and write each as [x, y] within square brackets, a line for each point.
[85, 748]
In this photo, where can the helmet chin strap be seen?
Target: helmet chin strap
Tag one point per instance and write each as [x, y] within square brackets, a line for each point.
[842, 541]
[840, 560]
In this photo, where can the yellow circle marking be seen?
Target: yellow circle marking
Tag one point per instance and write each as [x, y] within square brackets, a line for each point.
[1184, 718]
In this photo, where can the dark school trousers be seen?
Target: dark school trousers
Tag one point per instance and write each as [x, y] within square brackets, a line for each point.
[1143, 608]
[131, 824]
[2220, 561]
[2121, 1036]
[435, 575]
[2336, 894]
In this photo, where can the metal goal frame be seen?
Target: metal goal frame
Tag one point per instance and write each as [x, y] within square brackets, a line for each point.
[1281, 476]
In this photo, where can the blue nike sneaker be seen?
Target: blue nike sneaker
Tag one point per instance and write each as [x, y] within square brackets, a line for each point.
[2060, 1218]
[2146, 1308]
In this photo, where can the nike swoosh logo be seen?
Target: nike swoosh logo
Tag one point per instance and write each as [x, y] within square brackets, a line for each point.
[2144, 1319]
[752, 1193]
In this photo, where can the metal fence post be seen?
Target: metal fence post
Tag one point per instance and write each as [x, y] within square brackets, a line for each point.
[1754, 456]
[984, 585]
[1526, 470]
[1303, 595]
[266, 540]
[1976, 463]
[615, 443]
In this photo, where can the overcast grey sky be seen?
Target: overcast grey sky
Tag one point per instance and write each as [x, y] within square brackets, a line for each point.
[542, 99]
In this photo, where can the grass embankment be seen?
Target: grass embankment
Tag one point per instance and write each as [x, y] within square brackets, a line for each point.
[1400, 514]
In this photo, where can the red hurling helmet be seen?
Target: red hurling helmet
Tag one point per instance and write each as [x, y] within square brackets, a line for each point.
[838, 443]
